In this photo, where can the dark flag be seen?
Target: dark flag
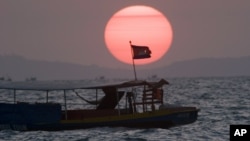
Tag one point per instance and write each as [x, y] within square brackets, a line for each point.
[141, 52]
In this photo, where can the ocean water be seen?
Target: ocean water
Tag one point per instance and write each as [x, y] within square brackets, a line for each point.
[222, 101]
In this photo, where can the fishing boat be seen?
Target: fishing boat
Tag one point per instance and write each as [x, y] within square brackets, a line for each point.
[133, 104]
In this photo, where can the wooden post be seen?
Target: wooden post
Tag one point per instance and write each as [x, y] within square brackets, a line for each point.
[14, 96]
[143, 98]
[117, 98]
[96, 96]
[65, 105]
[47, 96]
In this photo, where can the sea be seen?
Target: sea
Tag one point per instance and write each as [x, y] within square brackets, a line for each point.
[223, 101]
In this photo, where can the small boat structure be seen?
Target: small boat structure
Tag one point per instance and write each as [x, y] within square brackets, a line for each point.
[133, 104]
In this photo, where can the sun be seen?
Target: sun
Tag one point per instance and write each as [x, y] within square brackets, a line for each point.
[143, 25]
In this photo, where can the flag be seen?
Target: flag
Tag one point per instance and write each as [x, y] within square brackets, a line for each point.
[141, 52]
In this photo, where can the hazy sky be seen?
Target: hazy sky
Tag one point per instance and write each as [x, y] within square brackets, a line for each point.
[73, 30]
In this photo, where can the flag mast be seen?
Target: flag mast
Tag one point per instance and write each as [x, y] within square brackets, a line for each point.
[133, 59]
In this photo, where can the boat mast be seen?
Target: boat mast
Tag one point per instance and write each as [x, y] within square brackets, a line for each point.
[132, 53]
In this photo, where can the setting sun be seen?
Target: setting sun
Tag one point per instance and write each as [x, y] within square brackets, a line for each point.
[142, 25]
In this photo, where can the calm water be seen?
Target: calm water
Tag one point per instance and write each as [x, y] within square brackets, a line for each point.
[223, 101]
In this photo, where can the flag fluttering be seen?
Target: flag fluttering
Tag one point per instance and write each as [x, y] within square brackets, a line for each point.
[141, 52]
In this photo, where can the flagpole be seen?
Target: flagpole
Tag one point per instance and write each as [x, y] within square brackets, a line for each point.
[133, 59]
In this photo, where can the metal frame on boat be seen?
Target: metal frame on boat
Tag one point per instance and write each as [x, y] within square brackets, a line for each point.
[143, 108]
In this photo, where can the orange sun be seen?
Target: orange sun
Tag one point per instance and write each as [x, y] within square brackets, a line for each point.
[142, 25]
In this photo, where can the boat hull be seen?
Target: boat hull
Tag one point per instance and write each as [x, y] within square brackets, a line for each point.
[156, 119]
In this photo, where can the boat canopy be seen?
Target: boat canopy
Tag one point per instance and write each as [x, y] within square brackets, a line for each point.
[67, 85]
[132, 84]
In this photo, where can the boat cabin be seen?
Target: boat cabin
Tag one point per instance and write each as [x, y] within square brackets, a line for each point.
[136, 96]
[150, 95]
[135, 104]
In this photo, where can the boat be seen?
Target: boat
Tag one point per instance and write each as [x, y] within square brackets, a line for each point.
[132, 104]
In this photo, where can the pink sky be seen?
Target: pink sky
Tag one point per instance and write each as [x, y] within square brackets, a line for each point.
[73, 31]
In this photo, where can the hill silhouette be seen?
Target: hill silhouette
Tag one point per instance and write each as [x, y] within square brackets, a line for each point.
[205, 67]
[20, 68]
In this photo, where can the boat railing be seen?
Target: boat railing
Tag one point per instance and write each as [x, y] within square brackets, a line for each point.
[150, 98]
[6, 101]
[91, 113]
